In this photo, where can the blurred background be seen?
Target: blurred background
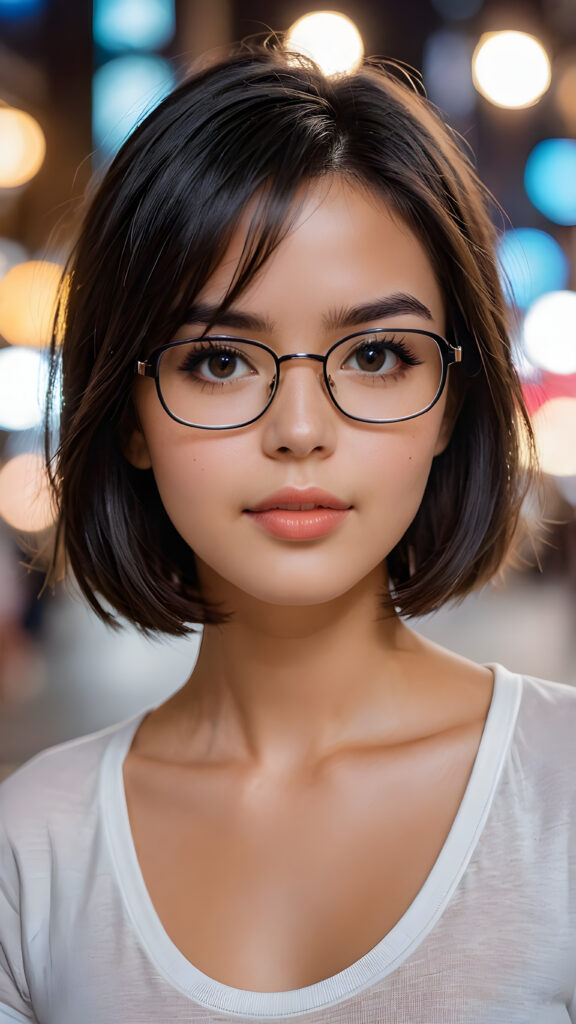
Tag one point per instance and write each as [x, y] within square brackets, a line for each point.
[75, 78]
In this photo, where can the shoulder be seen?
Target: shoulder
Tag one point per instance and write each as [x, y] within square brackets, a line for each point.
[547, 714]
[543, 696]
[56, 788]
[543, 745]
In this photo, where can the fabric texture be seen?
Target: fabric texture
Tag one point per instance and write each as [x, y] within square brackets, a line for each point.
[490, 936]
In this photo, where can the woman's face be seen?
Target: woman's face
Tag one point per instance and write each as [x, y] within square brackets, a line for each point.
[345, 250]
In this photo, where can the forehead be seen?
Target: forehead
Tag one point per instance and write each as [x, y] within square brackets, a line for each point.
[345, 245]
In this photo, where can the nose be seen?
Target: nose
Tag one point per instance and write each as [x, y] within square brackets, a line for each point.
[302, 418]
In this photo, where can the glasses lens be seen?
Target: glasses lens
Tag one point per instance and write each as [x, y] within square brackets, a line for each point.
[385, 375]
[215, 382]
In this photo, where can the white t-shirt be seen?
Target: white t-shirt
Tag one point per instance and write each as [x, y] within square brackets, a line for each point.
[489, 939]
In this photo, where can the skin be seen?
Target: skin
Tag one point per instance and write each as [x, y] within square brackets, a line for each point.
[309, 708]
[307, 669]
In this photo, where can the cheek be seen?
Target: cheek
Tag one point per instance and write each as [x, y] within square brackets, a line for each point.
[194, 475]
[394, 474]
[402, 458]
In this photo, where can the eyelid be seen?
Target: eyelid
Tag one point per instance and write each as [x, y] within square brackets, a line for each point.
[354, 336]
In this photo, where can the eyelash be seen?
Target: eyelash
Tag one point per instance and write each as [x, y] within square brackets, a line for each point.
[397, 346]
[210, 349]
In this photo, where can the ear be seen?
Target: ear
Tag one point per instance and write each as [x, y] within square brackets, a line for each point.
[454, 403]
[135, 449]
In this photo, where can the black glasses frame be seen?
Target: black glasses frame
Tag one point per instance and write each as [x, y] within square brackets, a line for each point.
[151, 368]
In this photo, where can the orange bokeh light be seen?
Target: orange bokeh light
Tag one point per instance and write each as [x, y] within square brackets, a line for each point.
[25, 495]
[22, 147]
[28, 295]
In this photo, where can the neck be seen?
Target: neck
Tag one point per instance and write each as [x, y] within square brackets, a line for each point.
[282, 687]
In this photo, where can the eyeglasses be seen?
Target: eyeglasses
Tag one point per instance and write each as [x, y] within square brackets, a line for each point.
[380, 376]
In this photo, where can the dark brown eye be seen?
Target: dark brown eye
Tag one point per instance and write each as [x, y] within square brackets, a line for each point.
[222, 365]
[217, 365]
[372, 358]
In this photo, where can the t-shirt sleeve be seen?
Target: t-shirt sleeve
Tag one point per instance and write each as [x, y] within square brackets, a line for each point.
[14, 996]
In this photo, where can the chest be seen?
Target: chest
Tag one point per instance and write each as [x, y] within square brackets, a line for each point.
[267, 887]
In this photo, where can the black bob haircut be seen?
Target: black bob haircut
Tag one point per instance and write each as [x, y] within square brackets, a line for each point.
[260, 121]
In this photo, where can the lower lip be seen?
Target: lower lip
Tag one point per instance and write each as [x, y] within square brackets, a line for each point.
[299, 525]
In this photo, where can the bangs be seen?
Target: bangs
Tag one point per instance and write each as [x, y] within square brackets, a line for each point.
[204, 160]
[272, 212]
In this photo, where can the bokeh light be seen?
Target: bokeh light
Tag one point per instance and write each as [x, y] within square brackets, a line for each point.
[11, 253]
[549, 333]
[447, 74]
[22, 147]
[133, 24]
[511, 69]
[23, 382]
[532, 263]
[555, 430]
[123, 91]
[25, 497]
[28, 302]
[14, 9]
[550, 179]
[329, 38]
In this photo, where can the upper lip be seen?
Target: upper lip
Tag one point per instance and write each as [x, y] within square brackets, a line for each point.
[300, 496]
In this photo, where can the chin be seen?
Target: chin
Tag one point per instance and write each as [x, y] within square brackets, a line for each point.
[284, 583]
[301, 592]
[300, 600]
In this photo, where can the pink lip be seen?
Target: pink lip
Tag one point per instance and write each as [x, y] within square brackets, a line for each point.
[303, 496]
[300, 524]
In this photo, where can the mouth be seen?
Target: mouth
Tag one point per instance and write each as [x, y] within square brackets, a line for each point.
[307, 499]
[299, 521]
[308, 507]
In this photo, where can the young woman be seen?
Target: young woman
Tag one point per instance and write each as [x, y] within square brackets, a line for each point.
[290, 415]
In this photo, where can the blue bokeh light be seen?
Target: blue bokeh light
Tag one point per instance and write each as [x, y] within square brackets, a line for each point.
[123, 91]
[550, 179]
[531, 263]
[14, 9]
[133, 24]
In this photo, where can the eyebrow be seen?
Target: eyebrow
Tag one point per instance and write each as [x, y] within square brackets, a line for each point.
[398, 304]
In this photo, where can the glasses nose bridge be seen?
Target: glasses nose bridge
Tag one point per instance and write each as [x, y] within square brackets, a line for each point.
[302, 355]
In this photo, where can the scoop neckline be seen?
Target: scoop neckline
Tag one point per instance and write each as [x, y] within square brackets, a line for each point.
[388, 954]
